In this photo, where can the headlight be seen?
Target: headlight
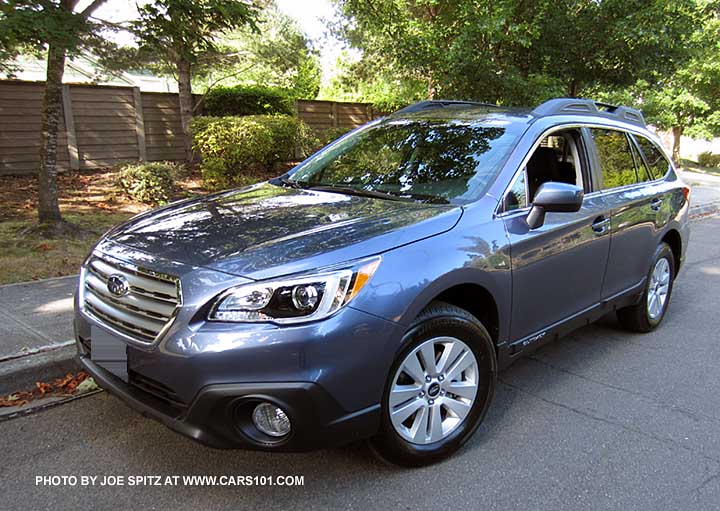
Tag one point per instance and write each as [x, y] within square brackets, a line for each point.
[293, 300]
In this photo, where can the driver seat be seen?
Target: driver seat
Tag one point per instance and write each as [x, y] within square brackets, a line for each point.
[541, 168]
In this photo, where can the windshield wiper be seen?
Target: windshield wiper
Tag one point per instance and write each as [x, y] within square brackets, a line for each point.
[290, 183]
[361, 192]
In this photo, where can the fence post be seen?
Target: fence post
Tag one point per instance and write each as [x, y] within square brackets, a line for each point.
[70, 134]
[334, 114]
[139, 123]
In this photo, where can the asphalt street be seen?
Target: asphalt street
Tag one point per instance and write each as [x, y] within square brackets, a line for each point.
[602, 419]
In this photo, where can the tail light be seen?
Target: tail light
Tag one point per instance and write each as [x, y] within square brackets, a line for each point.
[686, 192]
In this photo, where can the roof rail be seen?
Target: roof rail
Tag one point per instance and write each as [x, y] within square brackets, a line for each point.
[567, 106]
[439, 103]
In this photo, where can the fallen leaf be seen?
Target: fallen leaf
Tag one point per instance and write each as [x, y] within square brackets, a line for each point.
[87, 385]
[44, 388]
[17, 402]
[67, 385]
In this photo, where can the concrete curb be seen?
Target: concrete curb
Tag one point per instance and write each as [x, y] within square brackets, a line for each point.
[49, 279]
[702, 210]
[21, 373]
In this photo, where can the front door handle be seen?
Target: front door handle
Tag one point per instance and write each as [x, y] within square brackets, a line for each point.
[601, 225]
[656, 204]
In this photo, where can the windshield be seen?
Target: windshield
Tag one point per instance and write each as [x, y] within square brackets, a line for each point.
[425, 160]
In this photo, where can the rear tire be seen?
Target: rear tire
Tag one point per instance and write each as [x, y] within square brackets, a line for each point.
[439, 388]
[646, 315]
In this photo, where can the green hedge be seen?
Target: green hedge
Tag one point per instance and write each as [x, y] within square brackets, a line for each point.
[244, 100]
[708, 159]
[330, 135]
[235, 149]
[150, 183]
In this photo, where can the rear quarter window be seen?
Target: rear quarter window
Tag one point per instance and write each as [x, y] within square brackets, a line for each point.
[657, 162]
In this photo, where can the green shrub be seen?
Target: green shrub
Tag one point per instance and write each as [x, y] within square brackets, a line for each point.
[243, 100]
[708, 159]
[330, 135]
[235, 149]
[317, 139]
[149, 183]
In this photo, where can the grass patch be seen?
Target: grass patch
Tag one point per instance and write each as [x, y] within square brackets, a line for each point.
[90, 199]
[695, 167]
[31, 258]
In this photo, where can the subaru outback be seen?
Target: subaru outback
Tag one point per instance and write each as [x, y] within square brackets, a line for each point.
[375, 290]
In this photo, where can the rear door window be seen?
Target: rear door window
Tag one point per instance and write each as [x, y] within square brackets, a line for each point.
[616, 158]
[657, 162]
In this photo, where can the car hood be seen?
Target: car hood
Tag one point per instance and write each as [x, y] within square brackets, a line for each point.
[267, 230]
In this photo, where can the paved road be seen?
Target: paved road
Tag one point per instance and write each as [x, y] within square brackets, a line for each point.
[706, 189]
[600, 420]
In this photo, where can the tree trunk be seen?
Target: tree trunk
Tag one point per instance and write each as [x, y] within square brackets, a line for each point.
[431, 88]
[573, 91]
[48, 208]
[186, 106]
[677, 132]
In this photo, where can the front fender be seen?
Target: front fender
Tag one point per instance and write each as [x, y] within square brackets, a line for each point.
[411, 277]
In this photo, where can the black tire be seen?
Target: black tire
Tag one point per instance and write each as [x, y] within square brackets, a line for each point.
[439, 319]
[636, 317]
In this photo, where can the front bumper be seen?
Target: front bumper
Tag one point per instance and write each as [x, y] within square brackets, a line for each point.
[219, 415]
[311, 371]
[201, 378]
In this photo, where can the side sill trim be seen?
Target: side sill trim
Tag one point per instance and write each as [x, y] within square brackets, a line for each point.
[551, 331]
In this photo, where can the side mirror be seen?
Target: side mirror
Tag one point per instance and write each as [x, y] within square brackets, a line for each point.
[553, 197]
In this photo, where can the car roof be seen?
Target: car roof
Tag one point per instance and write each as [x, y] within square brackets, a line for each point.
[448, 110]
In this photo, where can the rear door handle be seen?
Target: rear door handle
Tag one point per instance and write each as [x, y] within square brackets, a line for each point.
[656, 204]
[601, 225]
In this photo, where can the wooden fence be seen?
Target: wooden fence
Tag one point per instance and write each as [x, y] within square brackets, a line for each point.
[102, 126]
[323, 115]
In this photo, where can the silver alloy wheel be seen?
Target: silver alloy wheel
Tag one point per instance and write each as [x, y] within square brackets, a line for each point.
[433, 390]
[658, 288]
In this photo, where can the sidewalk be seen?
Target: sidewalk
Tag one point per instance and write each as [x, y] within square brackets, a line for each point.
[35, 331]
[36, 317]
[705, 196]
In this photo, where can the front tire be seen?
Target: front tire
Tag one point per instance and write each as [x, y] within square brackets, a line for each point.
[646, 315]
[439, 388]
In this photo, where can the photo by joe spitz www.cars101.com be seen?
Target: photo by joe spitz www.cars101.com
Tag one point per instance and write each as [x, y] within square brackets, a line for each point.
[375, 290]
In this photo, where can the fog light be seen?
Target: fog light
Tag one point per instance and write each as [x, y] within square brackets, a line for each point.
[271, 420]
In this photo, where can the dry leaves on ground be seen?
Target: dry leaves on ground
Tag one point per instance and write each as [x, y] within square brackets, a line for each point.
[65, 386]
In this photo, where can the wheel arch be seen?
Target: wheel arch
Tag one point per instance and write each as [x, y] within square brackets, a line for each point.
[473, 291]
[674, 240]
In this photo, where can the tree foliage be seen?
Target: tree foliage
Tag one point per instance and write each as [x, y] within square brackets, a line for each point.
[367, 80]
[182, 36]
[686, 101]
[515, 51]
[30, 26]
[279, 56]
[172, 30]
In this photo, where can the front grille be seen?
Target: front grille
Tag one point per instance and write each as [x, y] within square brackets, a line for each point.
[144, 311]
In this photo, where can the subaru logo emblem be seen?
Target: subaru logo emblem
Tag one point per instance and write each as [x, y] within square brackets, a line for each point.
[118, 285]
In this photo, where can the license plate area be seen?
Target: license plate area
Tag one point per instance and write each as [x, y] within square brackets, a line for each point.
[109, 352]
